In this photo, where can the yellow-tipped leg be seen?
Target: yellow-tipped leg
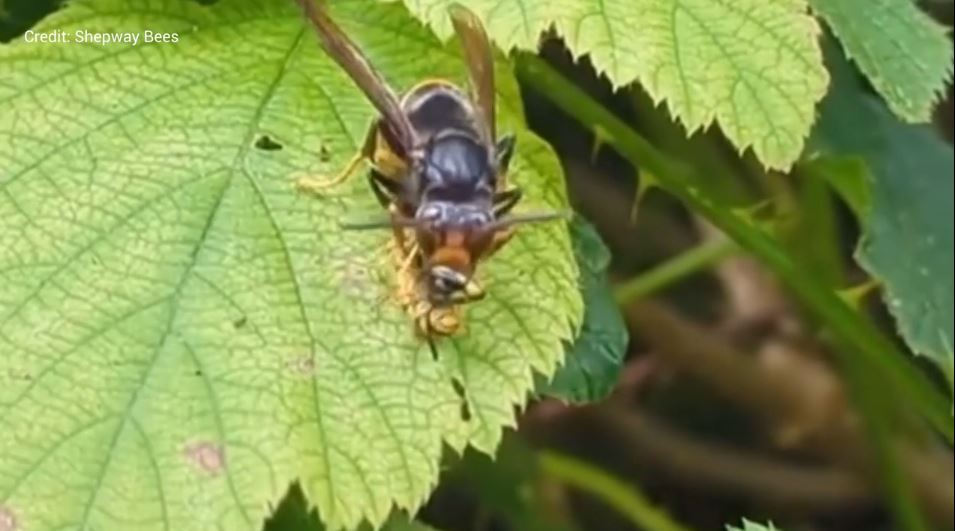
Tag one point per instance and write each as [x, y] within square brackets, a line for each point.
[405, 266]
[405, 274]
[405, 291]
[317, 186]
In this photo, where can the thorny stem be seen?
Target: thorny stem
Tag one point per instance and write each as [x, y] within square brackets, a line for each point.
[860, 341]
[862, 348]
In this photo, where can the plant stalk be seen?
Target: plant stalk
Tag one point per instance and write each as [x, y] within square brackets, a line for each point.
[674, 269]
[626, 499]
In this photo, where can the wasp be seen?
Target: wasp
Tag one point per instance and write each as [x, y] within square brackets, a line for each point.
[437, 166]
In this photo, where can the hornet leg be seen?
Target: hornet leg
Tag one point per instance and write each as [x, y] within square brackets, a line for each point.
[317, 186]
[504, 202]
[505, 150]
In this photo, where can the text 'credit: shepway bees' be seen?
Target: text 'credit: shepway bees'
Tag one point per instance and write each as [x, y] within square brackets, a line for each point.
[100, 37]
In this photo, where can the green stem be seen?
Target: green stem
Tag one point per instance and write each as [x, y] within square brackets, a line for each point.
[623, 497]
[674, 269]
[859, 340]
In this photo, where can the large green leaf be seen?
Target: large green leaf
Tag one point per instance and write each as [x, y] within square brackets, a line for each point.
[181, 334]
[906, 55]
[908, 238]
[752, 65]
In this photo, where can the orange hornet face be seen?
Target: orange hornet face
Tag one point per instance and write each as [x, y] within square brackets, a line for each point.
[450, 257]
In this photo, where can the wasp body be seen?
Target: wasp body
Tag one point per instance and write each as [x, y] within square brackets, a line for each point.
[437, 165]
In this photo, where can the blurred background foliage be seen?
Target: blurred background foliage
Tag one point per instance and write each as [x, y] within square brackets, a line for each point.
[714, 394]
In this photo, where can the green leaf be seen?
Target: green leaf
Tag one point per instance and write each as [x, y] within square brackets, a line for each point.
[594, 360]
[908, 239]
[752, 526]
[181, 334]
[754, 66]
[906, 54]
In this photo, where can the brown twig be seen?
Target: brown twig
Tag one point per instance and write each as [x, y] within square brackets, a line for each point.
[795, 399]
[715, 467]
